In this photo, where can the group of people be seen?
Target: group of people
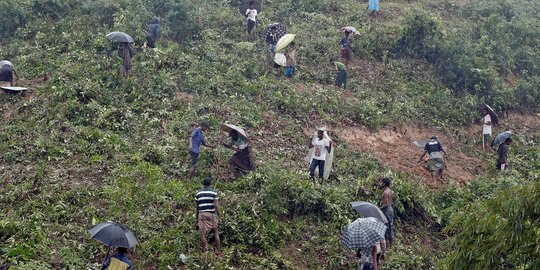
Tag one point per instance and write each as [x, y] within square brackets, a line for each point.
[241, 161]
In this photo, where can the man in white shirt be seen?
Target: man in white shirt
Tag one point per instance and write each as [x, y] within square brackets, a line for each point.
[251, 14]
[486, 129]
[321, 147]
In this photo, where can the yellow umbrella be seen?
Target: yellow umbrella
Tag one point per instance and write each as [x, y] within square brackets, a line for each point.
[284, 41]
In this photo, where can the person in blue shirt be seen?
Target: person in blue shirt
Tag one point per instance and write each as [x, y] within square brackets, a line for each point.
[195, 141]
[346, 42]
[118, 261]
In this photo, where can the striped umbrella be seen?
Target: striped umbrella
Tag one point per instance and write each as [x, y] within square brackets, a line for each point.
[281, 30]
[363, 233]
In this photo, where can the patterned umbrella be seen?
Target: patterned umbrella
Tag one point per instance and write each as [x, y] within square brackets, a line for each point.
[113, 234]
[281, 30]
[369, 210]
[363, 233]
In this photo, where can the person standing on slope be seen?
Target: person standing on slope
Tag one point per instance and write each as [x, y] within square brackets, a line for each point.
[436, 163]
[486, 129]
[195, 141]
[502, 154]
[251, 14]
[346, 42]
[386, 207]
[321, 147]
[208, 215]
[153, 33]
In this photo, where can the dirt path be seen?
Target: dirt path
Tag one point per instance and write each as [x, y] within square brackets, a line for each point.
[393, 146]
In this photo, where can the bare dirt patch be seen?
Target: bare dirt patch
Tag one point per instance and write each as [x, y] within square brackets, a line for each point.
[393, 146]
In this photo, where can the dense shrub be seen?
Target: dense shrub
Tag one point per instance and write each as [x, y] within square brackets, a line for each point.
[12, 16]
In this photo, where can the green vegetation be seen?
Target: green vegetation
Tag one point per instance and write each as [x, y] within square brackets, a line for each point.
[89, 147]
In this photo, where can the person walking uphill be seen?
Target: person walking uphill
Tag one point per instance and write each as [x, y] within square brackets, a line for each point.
[118, 261]
[386, 207]
[321, 147]
[8, 73]
[346, 42]
[290, 55]
[153, 33]
[502, 154]
[251, 14]
[195, 141]
[125, 53]
[436, 163]
[208, 215]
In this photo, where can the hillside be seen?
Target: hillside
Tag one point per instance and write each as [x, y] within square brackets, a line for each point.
[84, 146]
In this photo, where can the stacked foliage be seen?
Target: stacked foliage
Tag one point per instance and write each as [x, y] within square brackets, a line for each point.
[89, 147]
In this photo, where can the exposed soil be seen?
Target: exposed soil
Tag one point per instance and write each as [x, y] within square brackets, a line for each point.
[393, 146]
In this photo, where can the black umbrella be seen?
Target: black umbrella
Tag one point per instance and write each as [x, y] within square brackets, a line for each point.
[281, 30]
[491, 112]
[244, 6]
[113, 234]
[120, 37]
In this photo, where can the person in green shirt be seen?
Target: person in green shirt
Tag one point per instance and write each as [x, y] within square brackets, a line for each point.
[341, 77]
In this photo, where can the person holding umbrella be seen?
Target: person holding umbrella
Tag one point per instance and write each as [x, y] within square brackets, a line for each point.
[118, 261]
[436, 163]
[242, 160]
[345, 42]
[486, 128]
[290, 55]
[502, 154]
[363, 235]
[124, 51]
[113, 234]
[272, 38]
